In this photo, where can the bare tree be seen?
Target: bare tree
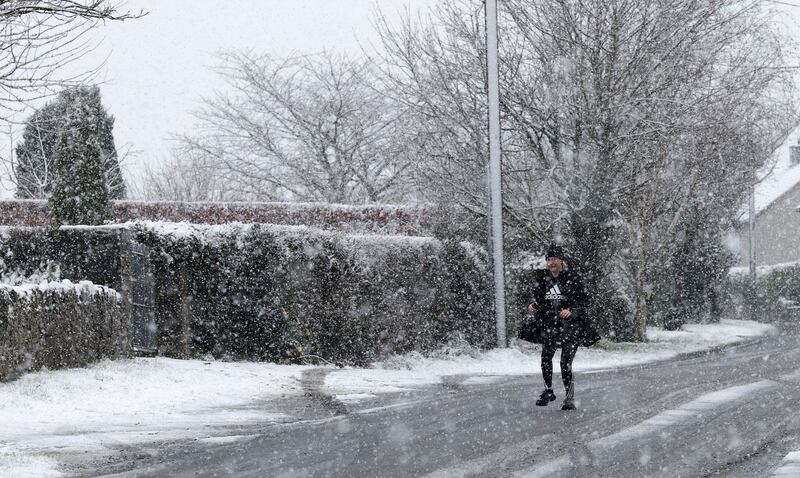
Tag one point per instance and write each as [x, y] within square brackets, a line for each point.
[435, 69]
[671, 94]
[615, 115]
[307, 128]
[186, 177]
[39, 37]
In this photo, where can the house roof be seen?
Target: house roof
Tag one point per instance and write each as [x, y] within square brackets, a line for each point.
[777, 177]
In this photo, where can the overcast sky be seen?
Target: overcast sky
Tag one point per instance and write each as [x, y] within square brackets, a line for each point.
[159, 66]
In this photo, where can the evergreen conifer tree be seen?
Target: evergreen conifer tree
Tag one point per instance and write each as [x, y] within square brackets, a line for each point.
[80, 191]
[36, 153]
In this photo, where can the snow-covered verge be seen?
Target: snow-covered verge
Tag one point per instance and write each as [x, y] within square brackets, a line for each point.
[115, 403]
[49, 416]
[413, 370]
[763, 270]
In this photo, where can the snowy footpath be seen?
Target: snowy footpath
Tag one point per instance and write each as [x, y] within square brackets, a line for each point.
[52, 418]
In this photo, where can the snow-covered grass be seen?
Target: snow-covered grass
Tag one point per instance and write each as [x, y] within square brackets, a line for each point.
[132, 401]
[414, 370]
[762, 270]
[50, 415]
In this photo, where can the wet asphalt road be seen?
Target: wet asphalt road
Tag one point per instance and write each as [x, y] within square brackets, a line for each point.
[729, 413]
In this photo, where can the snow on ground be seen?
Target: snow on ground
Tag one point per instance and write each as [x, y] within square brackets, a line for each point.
[604, 446]
[413, 370]
[145, 400]
[762, 270]
[789, 467]
[126, 402]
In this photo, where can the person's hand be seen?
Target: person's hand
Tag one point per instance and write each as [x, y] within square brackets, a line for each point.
[565, 314]
[532, 309]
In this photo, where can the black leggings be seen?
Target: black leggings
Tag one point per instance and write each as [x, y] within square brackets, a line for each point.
[567, 356]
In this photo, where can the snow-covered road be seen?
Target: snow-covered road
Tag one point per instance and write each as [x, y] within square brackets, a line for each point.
[74, 420]
[698, 415]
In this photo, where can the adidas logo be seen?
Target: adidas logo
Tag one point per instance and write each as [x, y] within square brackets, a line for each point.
[554, 293]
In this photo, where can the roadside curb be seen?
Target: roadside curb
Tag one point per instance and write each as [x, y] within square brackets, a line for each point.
[717, 348]
[743, 340]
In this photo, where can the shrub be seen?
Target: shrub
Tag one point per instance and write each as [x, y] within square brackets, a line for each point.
[612, 315]
[80, 193]
[286, 293]
[91, 254]
[766, 302]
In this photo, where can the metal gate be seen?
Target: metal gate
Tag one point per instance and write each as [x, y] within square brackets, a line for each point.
[142, 297]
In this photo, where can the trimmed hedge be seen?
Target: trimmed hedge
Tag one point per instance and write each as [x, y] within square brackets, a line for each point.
[387, 219]
[59, 324]
[82, 253]
[283, 293]
[774, 287]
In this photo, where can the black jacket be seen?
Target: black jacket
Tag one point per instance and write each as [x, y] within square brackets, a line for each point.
[550, 295]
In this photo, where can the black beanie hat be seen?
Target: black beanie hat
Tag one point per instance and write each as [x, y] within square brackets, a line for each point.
[554, 250]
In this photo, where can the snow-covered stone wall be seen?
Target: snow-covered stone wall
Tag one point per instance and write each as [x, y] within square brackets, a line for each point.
[59, 324]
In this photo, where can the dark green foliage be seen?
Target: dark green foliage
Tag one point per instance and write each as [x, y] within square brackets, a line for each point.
[57, 328]
[612, 315]
[590, 249]
[519, 292]
[91, 254]
[35, 172]
[403, 286]
[782, 283]
[261, 293]
[268, 294]
[470, 293]
[687, 288]
[768, 300]
[591, 246]
[80, 193]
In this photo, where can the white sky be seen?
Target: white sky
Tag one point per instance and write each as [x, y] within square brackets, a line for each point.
[158, 67]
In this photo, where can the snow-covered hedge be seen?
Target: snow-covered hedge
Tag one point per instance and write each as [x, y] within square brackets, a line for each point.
[387, 219]
[80, 253]
[776, 287]
[284, 292]
[59, 324]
